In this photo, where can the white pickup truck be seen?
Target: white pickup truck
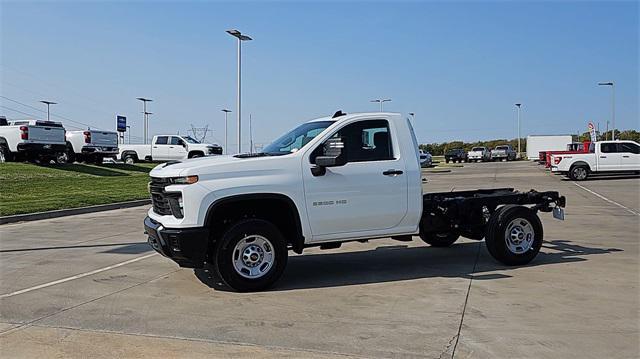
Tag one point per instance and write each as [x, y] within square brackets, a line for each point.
[167, 148]
[331, 180]
[91, 145]
[31, 140]
[604, 157]
[478, 154]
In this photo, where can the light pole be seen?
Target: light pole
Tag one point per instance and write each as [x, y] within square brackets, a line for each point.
[144, 116]
[226, 112]
[518, 105]
[413, 117]
[613, 106]
[381, 101]
[48, 103]
[237, 34]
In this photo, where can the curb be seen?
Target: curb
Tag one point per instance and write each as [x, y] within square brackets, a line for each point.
[72, 211]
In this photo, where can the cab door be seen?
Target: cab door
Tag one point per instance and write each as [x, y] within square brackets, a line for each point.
[630, 156]
[368, 193]
[177, 148]
[609, 157]
[160, 149]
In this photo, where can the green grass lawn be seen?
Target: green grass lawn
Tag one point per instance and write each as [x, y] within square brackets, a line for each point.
[28, 188]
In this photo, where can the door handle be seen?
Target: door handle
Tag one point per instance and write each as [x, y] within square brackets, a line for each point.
[170, 146]
[155, 146]
[625, 156]
[392, 172]
[603, 156]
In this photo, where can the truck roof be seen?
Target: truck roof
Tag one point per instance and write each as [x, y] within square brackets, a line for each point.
[355, 114]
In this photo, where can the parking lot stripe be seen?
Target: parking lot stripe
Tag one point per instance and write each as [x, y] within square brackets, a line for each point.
[77, 276]
[608, 200]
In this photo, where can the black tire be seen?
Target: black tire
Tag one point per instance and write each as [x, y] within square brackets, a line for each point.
[196, 155]
[579, 173]
[508, 222]
[129, 159]
[62, 158]
[444, 239]
[226, 246]
[446, 160]
[98, 160]
[5, 154]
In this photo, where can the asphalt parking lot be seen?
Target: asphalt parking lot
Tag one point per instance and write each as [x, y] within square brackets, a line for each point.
[89, 286]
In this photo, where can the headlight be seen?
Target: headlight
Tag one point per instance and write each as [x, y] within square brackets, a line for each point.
[184, 180]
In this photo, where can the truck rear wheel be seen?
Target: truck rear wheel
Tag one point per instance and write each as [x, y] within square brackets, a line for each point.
[514, 235]
[579, 173]
[251, 255]
[5, 154]
[442, 239]
[129, 159]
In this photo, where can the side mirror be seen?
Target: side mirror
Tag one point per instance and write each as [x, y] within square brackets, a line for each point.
[333, 155]
[182, 143]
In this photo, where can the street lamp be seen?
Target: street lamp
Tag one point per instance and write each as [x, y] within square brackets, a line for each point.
[381, 101]
[48, 103]
[237, 34]
[413, 116]
[518, 105]
[144, 116]
[226, 112]
[613, 106]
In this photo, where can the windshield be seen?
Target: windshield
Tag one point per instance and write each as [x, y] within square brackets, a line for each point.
[297, 138]
[477, 149]
[502, 148]
[190, 139]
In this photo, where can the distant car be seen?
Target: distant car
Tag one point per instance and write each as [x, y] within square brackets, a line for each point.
[455, 155]
[425, 159]
[479, 154]
[503, 153]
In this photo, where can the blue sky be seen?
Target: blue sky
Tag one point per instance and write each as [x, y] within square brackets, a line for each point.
[460, 66]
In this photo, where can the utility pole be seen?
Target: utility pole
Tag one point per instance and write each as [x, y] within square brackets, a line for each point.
[613, 106]
[226, 112]
[48, 103]
[518, 105]
[381, 101]
[145, 118]
[250, 136]
[237, 34]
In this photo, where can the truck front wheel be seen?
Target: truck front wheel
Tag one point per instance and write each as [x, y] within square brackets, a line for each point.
[514, 235]
[579, 173]
[443, 239]
[129, 159]
[251, 255]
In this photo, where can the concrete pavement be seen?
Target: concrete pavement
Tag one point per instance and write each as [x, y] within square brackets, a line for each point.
[112, 297]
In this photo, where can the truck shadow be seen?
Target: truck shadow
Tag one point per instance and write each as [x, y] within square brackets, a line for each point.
[606, 177]
[86, 169]
[400, 263]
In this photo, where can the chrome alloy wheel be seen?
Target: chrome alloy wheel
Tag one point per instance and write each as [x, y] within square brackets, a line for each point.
[519, 236]
[580, 173]
[253, 256]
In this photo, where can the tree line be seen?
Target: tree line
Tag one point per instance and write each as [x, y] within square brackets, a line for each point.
[438, 149]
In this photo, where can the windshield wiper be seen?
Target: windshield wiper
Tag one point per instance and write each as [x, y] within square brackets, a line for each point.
[250, 155]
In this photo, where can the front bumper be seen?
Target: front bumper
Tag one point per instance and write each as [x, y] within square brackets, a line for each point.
[185, 246]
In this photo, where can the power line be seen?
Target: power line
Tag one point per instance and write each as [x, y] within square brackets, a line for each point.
[54, 115]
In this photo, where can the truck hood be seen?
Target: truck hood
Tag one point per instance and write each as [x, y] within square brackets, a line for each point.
[226, 165]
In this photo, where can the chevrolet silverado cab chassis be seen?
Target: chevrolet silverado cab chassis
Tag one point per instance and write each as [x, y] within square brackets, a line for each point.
[331, 180]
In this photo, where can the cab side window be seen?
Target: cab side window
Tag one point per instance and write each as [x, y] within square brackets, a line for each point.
[629, 147]
[162, 140]
[609, 147]
[368, 140]
[177, 141]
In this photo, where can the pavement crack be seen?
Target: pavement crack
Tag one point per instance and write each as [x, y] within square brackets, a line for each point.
[449, 344]
[30, 323]
[466, 300]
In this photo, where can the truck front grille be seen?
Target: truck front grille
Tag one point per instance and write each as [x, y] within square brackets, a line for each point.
[159, 198]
